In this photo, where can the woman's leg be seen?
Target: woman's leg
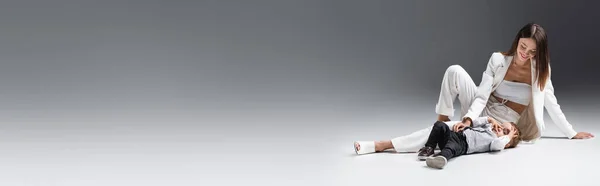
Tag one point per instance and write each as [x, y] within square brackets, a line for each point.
[379, 145]
[438, 132]
[414, 141]
[456, 83]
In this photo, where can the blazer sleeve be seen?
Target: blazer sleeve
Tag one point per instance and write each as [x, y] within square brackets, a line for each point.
[556, 114]
[485, 87]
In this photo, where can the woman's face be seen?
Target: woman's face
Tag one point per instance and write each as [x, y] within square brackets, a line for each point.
[526, 49]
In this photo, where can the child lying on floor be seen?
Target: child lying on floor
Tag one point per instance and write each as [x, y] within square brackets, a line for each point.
[484, 135]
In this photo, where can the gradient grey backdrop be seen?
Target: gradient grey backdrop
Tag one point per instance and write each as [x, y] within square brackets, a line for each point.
[225, 92]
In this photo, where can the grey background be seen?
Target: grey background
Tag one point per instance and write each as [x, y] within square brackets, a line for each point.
[228, 92]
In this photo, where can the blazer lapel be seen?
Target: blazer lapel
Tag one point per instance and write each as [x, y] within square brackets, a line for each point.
[501, 72]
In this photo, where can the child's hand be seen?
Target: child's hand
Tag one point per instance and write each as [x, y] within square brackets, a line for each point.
[512, 132]
[497, 127]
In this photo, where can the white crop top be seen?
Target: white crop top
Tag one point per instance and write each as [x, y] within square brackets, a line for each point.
[514, 91]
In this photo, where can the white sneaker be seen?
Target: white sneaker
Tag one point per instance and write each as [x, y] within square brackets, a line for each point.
[437, 162]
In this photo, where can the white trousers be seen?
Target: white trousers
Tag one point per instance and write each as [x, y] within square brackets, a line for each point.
[456, 84]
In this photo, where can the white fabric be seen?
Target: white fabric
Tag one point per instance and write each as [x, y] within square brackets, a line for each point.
[455, 80]
[514, 91]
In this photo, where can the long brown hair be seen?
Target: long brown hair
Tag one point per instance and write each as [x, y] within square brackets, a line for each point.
[542, 56]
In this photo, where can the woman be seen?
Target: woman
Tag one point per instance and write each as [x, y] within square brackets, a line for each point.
[515, 87]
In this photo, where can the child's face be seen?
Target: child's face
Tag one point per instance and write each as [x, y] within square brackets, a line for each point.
[504, 129]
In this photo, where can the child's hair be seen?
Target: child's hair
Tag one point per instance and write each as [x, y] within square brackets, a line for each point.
[516, 138]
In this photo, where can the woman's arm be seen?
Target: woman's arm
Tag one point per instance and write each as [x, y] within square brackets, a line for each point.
[485, 87]
[557, 115]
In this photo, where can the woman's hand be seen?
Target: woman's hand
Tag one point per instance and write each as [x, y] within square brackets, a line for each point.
[459, 126]
[462, 125]
[583, 135]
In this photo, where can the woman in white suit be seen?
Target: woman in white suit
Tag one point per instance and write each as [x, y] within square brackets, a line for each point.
[515, 87]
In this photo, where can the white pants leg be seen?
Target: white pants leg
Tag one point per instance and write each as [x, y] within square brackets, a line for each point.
[456, 83]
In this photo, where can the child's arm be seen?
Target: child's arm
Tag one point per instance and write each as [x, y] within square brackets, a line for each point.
[481, 121]
[499, 143]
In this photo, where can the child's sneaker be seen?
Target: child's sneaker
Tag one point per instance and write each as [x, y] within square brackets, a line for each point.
[425, 152]
[437, 162]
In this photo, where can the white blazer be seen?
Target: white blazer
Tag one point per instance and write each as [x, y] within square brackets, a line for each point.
[494, 74]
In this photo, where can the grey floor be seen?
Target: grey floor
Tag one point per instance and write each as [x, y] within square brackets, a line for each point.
[294, 146]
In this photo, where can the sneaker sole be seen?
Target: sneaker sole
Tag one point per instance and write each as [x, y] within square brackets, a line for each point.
[436, 162]
[423, 158]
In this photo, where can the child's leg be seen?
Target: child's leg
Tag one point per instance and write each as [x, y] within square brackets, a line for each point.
[439, 135]
[450, 151]
[456, 146]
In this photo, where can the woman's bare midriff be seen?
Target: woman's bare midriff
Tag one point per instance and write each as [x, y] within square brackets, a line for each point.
[519, 108]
